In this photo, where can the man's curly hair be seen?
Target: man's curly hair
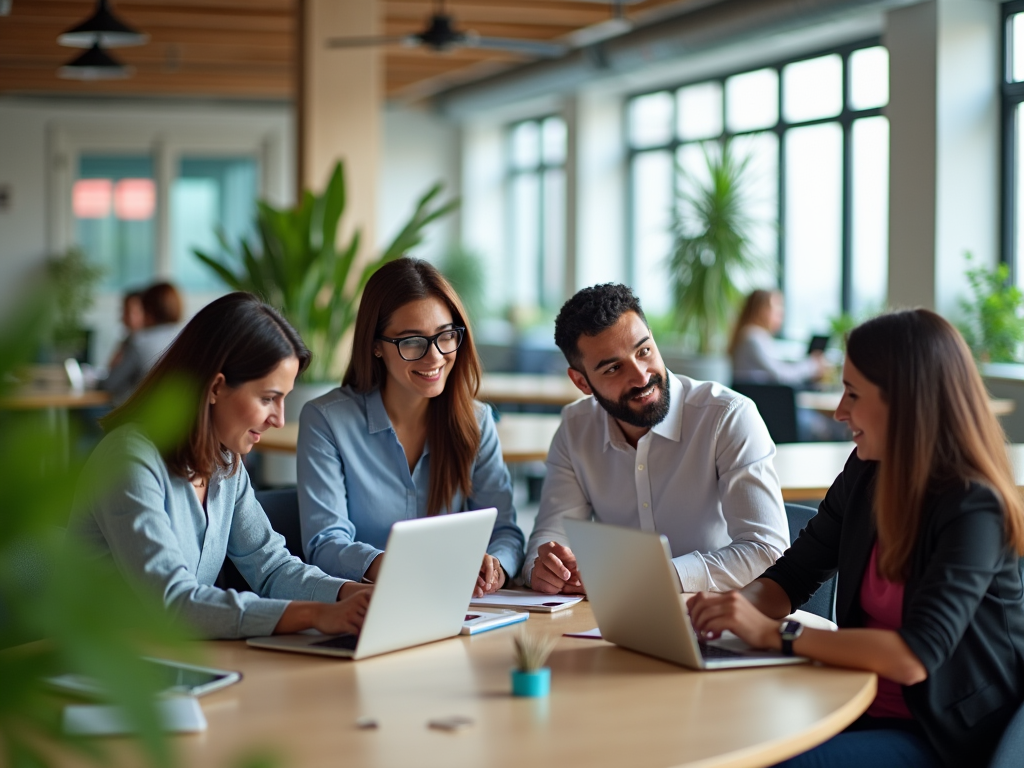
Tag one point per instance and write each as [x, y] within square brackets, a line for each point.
[589, 312]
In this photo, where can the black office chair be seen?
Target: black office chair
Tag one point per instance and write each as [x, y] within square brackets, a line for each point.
[777, 405]
[282, 508]
[823, 601]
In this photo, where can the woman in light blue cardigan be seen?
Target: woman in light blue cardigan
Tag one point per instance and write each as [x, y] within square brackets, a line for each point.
[403, 436]
[178, 507]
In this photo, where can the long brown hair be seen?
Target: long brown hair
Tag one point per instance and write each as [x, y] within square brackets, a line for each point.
[753, 309]
[941, 428]
[452, 428]
[237, 335]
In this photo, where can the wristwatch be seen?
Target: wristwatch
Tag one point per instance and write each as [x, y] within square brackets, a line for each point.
[789, 631]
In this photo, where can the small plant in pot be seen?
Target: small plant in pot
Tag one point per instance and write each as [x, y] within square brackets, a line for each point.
[713, 251]
[73, 281]
[529, 676]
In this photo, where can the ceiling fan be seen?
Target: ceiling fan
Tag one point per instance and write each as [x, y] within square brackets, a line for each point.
[441, 34]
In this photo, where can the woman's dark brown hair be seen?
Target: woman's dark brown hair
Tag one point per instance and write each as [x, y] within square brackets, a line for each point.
[941, 428]
[237, 335]
[161, 304]
[753, 309]
[453, 432]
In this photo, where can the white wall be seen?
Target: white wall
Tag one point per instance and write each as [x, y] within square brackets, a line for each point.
[420, 148]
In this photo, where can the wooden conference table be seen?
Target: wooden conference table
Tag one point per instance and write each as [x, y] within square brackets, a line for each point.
[523, 436]
[608, 707]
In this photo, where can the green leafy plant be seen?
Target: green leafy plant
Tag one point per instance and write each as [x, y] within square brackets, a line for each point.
[62, 609]
[993, 316]
[299, 268]
[73, 280]
[713, 247]
[465, 271]
[839, 328]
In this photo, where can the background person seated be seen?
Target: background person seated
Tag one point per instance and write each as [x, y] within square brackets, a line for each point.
[755, 360]
[161, 313]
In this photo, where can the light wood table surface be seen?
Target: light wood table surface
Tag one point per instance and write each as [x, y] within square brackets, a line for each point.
[608, 707]
[528, 388]
[36, 398]
[523, 436]
[807, 470]
[827, 402]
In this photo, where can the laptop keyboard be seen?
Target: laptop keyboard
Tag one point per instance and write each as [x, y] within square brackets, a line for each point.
[716, 652]
[346, 642]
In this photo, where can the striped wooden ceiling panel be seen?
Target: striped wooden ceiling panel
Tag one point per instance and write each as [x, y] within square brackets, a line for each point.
[246, 48]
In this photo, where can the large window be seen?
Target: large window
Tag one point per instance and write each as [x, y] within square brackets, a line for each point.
[817, 145]
[116, 203]
[1013, 133]
[537, 212]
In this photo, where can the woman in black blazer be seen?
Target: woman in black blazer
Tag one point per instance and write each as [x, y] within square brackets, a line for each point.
[926, 528]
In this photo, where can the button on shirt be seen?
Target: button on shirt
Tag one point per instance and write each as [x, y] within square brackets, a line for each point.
[354, 484]
[703, 477]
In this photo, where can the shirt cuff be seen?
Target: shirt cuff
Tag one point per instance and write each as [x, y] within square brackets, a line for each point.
[328, 589]
[261, 616]
[693, 572]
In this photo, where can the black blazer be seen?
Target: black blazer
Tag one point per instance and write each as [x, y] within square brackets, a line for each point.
[963, 603]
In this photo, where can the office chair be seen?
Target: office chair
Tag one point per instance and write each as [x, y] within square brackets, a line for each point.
[777, 405]
[823, 601]
[282, 509]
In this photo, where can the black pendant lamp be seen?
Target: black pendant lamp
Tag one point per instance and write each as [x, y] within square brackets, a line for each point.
[103, 28]
[94, 64]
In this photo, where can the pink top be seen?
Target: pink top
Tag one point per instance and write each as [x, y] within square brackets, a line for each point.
[882, 601]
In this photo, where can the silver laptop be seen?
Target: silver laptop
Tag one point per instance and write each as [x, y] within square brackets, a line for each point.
[422, 591]
[635, 593]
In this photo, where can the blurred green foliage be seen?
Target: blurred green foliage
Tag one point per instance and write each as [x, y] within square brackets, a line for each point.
[713, 252]
[77, 609]
[464, 269]
[299, 268]
[993, 316]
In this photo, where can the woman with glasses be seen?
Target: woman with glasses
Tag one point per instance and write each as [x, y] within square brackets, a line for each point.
[403, 436]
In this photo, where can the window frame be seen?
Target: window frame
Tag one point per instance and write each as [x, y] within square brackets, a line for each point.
[539, 170]
[1012, 95]
[845, 119]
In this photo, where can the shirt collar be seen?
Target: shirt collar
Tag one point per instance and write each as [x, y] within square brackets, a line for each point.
[671, 427]
[377, 419]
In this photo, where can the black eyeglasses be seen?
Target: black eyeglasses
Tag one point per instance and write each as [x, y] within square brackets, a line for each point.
[415, 347]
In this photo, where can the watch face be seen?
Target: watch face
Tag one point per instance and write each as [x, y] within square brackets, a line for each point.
[791, 629]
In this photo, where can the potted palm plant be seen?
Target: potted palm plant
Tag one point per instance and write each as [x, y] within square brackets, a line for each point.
[712, 253]
[993, 317]
[298, 266]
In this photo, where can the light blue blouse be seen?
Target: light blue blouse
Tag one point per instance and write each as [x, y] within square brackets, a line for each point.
[163, 541]
[354, 483]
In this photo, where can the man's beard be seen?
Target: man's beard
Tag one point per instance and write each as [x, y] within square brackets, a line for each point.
[649, 416]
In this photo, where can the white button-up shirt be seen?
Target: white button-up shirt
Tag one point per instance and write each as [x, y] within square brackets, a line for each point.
[703, 477]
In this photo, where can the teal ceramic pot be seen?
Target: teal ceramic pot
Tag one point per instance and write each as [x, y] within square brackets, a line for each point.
[536, 683]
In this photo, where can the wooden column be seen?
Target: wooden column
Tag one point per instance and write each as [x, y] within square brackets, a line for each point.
[339, 99]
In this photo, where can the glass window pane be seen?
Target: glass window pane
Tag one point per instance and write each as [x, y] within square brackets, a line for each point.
[812, 89]
[700, 111]
[553, 140]
[869, 78]
[114, 204]
[652, 176]
[552, 287]
[210, 194]
[761, 197]
[526, 145]
[1018, 218]
[650, 120]
[813, 226]
[870, 235]
[1017, 46]
[525, 239]
[752, 100]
